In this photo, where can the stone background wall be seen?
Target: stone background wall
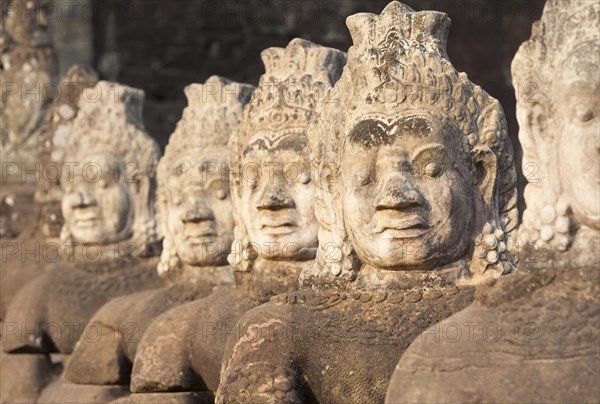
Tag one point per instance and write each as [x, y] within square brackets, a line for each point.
[163, 45]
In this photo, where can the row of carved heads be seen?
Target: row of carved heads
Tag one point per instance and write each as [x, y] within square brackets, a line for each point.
[396, 129]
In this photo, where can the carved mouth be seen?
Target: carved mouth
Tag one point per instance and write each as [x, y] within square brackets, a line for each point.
[199, 232]
[194, 241]
[85, 221]
[274, 227]
[407, 227]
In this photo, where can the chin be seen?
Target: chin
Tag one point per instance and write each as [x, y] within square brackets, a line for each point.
[87, 237]
[199, 256]
[194, 246]
[589, 220]
[397, 257]
[395, 263]
[273, 241]
[205, 262]
[279, 257]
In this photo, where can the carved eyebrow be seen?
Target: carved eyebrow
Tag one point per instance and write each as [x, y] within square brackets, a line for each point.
[437, 147]
[194, 166]
[210, 182]
[290, 141]
[578, 86]
[206, 184]
[371, 132]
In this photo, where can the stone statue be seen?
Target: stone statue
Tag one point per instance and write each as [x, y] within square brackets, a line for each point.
[28, 70]
[53, 136]
[24, 259]
[108, 182]
[533, 336]
[275, 226]
[28, 74]
[7, 226]
[197, 223]
[416, 203]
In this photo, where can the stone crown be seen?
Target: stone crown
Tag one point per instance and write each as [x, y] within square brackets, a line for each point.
[295, 80]
[110, 118]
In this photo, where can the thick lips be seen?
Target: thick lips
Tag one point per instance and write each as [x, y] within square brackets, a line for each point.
[199, 232]
[278, 230]
[85, 223]
[274, 225]
[402, 227]
[85, 219]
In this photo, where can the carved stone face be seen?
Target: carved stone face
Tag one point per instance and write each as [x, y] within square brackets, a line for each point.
[277, 196]
[578, 107]
[199, 219]
[407, 199]
[96, 204]
[28, 24]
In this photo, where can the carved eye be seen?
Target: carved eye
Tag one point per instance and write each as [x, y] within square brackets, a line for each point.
[583, 113]
[362, 178]
[251, 184]
[304, 178]
[177, 171]
[177, 200]
[432, 169]
[221, 194]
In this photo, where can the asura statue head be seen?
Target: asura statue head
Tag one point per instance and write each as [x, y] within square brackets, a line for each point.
[415, 167]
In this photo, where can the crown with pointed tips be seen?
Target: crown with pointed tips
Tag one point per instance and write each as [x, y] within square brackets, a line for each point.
[213, 112]
[295, 80]
[110, 118]
[398, 62]
[564, 24]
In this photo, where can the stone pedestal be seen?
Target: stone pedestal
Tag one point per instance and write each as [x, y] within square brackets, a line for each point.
[194, 397]
[23, 377]
[63, 391]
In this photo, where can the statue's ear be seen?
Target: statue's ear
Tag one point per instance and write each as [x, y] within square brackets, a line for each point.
[329, 176]
[536, 141]
[326, 178]
[536, 122]
[160, 214]
[323, 213]
[486, 172]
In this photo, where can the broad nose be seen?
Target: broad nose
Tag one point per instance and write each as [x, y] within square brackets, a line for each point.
[198, 213]
[399, 193]
[41, 20]
[275, 197]
[82, 198]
